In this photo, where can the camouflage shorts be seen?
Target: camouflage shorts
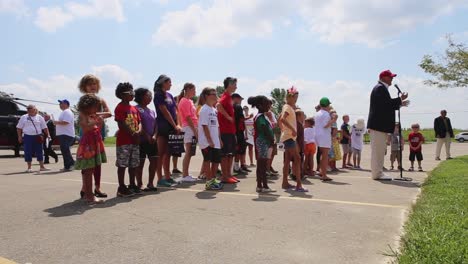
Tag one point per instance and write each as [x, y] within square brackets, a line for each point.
[128, 156]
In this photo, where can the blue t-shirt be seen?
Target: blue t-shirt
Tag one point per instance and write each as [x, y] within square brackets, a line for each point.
[164, 98]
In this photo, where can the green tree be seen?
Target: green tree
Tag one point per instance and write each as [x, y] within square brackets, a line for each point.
[450, 69]
[219, 90]
[279, 99]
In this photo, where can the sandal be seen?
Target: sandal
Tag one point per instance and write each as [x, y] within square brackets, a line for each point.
[202, 177]
[420, 169]
[29, 171]
[288, 187]
[326, 179]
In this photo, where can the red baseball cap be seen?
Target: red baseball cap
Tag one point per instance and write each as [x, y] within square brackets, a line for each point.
[387, 73]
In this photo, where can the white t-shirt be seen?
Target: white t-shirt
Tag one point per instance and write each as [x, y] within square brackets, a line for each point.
[68, 129]
[26, 124]
[322, 134]
[208, 117]
[249, 127]
[309, 135]
[357, 137]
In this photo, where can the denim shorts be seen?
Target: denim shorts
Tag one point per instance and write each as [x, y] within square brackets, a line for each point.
[289, 144]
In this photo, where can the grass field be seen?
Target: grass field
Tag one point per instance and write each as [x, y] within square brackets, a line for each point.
[437, 228]
[109, 141]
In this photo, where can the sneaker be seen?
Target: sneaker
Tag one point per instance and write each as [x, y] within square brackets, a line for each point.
[29, 171]
[273, 170]
[135, 189]
[449, 158]
[164, 183]
[384, 178]
[44, 169]
[259, 190]
[213, 185]
[411, 169]
[391, 167]
[384, 169]
[437, 158]
[244, 168]
[176, 171]
[124, 192]
[268, 190]
[230, 180]
[236, 179]
[420, 169]
[172, 181]
[188, 179]
[252, 165]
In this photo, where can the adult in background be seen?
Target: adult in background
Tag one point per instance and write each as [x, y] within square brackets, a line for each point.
[48, 150]
[32, 131]
[381, 121]
[66, 133]
[444, 134]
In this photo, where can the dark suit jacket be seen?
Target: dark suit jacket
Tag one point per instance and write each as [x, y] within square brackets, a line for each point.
[51, 126]
[440, 129]
[382, 109]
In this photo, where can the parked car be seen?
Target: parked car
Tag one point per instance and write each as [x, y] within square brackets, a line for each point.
[461, 137]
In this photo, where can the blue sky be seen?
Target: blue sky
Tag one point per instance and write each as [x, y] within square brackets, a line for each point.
[324, 48]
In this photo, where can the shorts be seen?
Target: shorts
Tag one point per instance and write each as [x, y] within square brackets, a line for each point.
[346, 148]
[417, 155]
[263, 149]
[148, 150]
[323, 141]
[241, 146]
[164, 131]
[395, 155]
[310, 149]
[289, 144]
[229, 144]
[128, 156]
[356, 151]
[212, 155]
[188, 134]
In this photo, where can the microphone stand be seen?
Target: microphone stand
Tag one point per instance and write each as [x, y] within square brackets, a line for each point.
[400, 136]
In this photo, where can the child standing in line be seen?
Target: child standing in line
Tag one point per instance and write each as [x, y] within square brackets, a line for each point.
[357, 137]
[90, 153]
[209, 138]
[128, 140]
[300, 117]
[324, 121]
[335, 152]
[396, 145]
[310, 148]
[416, 139]
[90, 84]
[346, 142]
[148, 146]
[264, 140]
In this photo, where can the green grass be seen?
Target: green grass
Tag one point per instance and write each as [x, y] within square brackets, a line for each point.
[437, 228]
[428, 134]
[109, 142]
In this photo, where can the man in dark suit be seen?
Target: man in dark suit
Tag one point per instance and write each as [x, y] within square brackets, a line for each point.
[381, 121]
[444, 134]
[48, 150]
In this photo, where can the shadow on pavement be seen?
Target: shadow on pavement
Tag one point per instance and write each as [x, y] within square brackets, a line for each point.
[266, 198]
[79, 207]
[408, 184]
[298, 194]
[206, 195]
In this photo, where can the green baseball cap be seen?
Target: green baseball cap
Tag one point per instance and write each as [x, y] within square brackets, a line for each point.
[324, 102]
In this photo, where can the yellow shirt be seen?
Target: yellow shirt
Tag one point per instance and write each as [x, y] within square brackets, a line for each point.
[286, 133]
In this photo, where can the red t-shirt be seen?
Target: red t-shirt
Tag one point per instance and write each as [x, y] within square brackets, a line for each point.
[130, 115]
[414, 139]
[226, 126]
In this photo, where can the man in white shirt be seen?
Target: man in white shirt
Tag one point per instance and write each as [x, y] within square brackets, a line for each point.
[66, 133]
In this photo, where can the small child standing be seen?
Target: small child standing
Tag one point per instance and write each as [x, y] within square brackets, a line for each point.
[357, 136]
[416, 139]
[209, 138]
[310, 147]
[396, 145]
[346, 142]
[264, 141]
[90, 153]
[335, 152]
[128, 139]
[300, 117]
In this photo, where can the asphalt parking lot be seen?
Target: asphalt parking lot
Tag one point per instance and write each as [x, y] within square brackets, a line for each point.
[350, 220]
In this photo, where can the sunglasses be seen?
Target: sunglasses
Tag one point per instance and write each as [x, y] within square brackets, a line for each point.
[212, 94]
[129, 92]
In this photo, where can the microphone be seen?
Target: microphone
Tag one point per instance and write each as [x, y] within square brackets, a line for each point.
[398, 88]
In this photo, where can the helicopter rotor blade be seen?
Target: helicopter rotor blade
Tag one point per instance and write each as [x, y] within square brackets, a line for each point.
[35, 101]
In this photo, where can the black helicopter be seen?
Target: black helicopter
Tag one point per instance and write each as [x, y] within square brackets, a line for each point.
[11, 109]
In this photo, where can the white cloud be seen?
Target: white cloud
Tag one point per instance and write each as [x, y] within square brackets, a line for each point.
[58, 87]
[50, 19]
[375, 23]
[17, 7]
[221, 24]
